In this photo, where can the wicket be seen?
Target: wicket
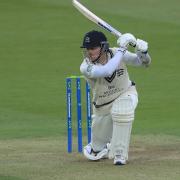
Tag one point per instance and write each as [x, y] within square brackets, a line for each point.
[79, 111]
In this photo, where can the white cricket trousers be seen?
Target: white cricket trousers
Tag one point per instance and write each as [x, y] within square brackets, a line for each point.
[102, 123]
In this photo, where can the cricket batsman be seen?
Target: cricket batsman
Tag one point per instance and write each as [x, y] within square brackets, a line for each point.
[114, 95]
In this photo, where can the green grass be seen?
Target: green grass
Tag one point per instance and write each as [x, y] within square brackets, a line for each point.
[39, 48]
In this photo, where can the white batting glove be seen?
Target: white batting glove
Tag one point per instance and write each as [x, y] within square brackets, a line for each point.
[141, 51]
[141, 46]
[125, 40]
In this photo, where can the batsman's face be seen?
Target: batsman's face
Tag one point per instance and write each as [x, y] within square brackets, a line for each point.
[93, 53]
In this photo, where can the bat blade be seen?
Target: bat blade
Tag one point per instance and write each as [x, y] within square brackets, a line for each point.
[92, 17]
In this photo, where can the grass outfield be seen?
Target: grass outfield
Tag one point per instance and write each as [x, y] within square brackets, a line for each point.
[39, 47]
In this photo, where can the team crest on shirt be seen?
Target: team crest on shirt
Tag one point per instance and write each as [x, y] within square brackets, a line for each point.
[119, 72]
[110, 78]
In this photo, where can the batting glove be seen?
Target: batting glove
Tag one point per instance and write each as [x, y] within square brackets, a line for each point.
[125, 40]
[141, 46]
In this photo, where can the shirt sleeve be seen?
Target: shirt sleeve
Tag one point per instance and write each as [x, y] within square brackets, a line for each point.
[96, 70]
[137, 59]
